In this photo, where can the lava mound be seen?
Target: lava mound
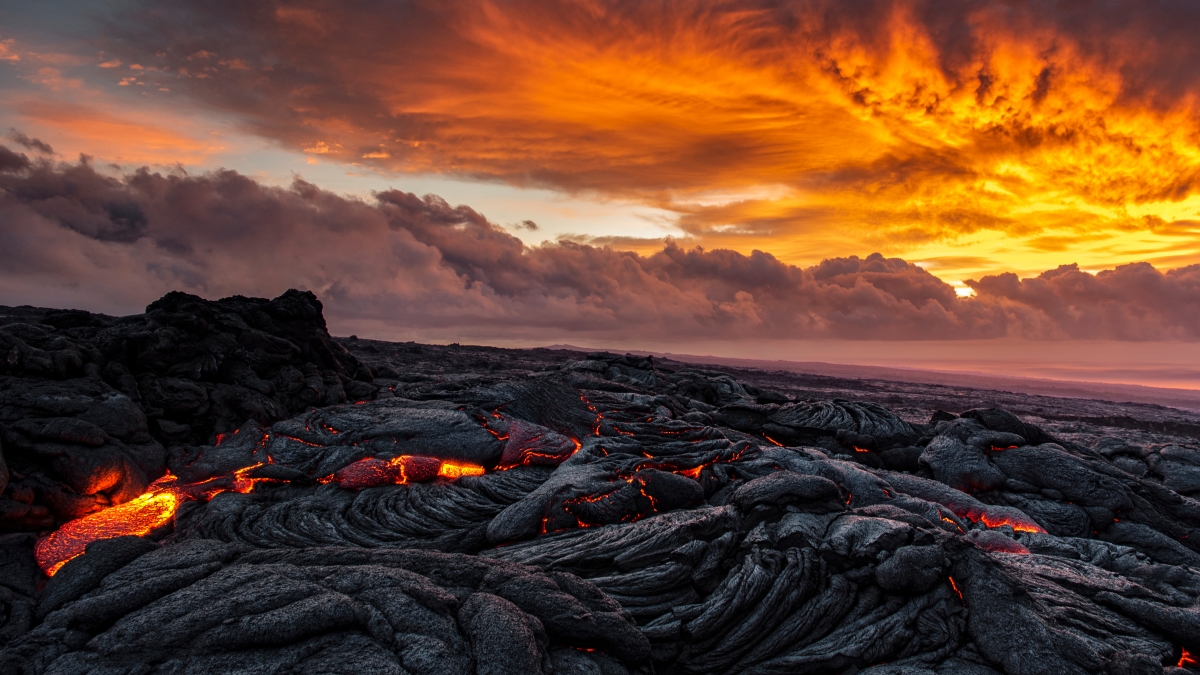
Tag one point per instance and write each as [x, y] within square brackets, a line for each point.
[601, 515]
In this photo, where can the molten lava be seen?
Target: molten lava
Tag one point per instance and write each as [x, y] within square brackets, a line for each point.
[528, 444]
[153, 509]
[459, 469]
[952, 522]
[373, 472]
[138, 517]
[1018, 526]
[955, 587]
[157, 506]
[992, 520]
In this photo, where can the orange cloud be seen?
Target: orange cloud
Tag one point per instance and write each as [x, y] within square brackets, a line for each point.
[7, 53]
[977, 131]
[123, 136]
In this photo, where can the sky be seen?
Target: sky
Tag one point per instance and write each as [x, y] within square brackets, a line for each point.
[619, 173]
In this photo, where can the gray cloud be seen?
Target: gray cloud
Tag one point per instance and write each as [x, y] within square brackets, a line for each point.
[70, 235]
[34, 144]
[1131, 302]
[12, 161]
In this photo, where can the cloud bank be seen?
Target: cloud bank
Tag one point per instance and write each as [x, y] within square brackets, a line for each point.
[72, 235]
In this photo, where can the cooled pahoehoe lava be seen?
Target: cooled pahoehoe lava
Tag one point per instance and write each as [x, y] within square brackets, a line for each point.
[563, 514]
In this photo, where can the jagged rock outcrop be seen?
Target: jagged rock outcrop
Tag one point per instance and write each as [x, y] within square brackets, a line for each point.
[70, 447]
[201, 368]
[87, 402]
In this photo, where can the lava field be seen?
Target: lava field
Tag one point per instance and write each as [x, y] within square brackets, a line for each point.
[221, 487]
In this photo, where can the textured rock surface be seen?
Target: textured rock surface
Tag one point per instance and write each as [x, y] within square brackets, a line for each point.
[632, 517]
[87, 402]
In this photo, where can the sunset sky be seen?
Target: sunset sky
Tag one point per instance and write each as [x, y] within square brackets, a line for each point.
[630, 173]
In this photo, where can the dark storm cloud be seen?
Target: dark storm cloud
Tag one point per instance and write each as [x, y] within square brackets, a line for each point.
[34, 144]
[420, 264]
[12, 161]
[78, 198]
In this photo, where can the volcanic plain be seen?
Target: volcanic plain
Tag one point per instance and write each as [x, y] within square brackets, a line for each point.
[223, 487]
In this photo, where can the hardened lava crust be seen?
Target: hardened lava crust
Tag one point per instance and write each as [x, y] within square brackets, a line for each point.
[222, 487]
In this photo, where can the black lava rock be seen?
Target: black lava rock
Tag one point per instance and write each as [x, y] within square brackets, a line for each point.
[483, 511]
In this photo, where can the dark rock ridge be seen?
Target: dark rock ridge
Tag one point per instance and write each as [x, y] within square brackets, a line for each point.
[88, 402]
[634, 516]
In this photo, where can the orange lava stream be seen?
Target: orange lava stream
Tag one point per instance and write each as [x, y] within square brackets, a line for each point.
[1017, 526]
[992, 521]
[139, 516]
[1186, 659]
[157, 506]
[955, 587]
[459, 469]
[400, 470]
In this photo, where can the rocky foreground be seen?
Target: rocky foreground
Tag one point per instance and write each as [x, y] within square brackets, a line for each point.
[255, 496]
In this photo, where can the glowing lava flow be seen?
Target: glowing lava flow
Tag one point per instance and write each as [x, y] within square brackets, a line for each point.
[992, 519]
[1017, 526]
[373, 472]
[1186, 659]
[459, 469]
[139, 516]
[157, 506]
